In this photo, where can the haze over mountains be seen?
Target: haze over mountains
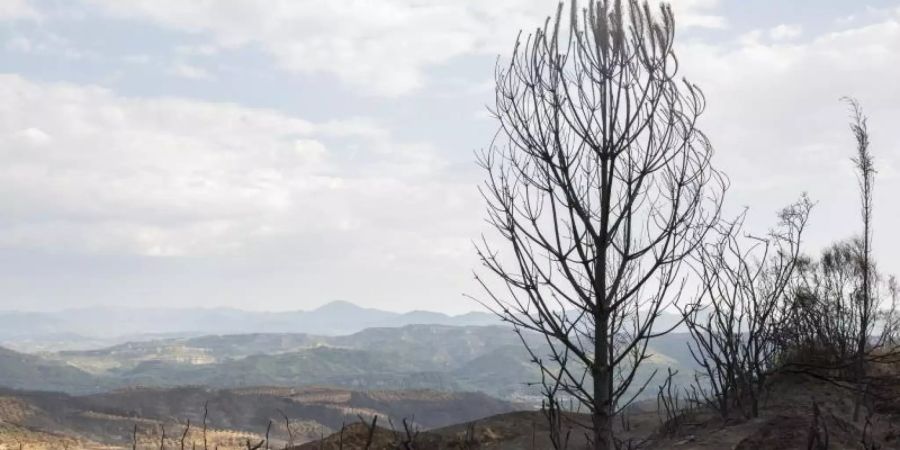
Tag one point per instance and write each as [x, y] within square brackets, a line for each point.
[486, 359]
[83, 378]
[339, 344]
[97, 327]
[89, 373]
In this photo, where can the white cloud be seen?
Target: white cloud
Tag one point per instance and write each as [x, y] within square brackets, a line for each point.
[382, 47]
[138, 59]
[34, 136]
[779, 128]
[45, 42]
[310, 150]
[17, 9]
[190, 72]
[698, 14]
[784, 32]
[19, 44]
[86, 170]
[197, 50]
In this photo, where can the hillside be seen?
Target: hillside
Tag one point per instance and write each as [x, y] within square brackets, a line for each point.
[510, 431]
[321, 418]
[788, 420]
[22, 371]
[434, 346]
[488, 359]
[233, 414]
[14, 437]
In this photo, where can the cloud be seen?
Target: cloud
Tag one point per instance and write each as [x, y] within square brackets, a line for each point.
[137, 58]
[197, 50]
[190, 72]
[698, 14]
[381, 47]
[87, 171]
[34, 137]
[44, 42]
[20, 44]
[779, 128]
[17, 10]
[785, 32]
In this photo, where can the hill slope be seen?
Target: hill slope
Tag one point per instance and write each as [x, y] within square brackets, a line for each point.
[234, 415]
[22, 371]
[487, 359]
[787, 421]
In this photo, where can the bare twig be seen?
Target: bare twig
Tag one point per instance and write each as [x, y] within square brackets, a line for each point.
[205, 415]
[184, 434]
[287, 425]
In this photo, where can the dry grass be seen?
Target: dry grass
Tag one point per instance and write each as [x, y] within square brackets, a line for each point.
[14, 437]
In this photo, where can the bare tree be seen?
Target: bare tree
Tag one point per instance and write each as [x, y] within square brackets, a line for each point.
[287, 426]
[600, 182]
[187, 429]
[841, 321]
[370, 435]
[890, 322]
[205, 416]
[865, 167]
[825, 311]
[672, 407]
[736, 324]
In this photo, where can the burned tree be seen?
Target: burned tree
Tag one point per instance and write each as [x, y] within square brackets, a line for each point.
[600, 182]
[738, 319]
[829, 315]
[841, 320]
[865, 167]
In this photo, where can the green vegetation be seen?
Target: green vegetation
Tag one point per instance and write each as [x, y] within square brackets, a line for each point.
[486, 359]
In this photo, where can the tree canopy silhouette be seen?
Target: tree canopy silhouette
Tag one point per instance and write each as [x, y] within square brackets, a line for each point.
[601, 184]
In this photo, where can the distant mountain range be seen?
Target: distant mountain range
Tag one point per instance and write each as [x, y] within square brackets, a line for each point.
[85, 351]
[103, 326]
[488, 359]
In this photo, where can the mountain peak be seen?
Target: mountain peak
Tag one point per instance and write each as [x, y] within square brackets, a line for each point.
[339, 306]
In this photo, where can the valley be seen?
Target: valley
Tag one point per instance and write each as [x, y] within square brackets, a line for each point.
[486, 359]
[431, 375]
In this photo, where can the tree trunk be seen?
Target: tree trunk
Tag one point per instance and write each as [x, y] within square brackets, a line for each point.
[602, 415]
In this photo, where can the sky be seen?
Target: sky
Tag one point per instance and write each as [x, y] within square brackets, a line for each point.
[278, 155]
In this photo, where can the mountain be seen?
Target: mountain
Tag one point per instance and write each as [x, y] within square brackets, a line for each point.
[414, 356]
[79, 329]
[488, 359]
[429, 347]
[22, 371]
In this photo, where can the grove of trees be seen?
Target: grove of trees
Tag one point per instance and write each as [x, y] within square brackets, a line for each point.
[602, 189]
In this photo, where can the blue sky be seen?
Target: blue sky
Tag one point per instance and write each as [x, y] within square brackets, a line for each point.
[282, 154]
